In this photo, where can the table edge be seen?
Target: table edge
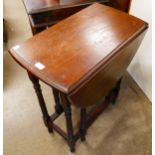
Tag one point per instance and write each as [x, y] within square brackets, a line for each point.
[86, 77]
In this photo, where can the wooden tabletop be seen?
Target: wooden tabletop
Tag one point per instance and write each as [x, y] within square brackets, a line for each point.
[38, 6]
[70, 52]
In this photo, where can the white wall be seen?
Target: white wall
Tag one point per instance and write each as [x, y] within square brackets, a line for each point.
[141, 66]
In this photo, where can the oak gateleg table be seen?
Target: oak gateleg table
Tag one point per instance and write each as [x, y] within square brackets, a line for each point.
[83, 59]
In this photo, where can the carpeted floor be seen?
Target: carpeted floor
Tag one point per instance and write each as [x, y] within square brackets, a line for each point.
[123, 129]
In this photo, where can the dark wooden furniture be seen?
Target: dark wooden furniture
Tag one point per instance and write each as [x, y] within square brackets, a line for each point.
[5, 36]
[45, 13]
[123, 5]
[83, 59]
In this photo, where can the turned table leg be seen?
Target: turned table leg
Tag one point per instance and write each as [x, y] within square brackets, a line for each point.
[68, 116]
[58, 107]
[112, 96]
[116, 91]
[83, 124]
[41, 100]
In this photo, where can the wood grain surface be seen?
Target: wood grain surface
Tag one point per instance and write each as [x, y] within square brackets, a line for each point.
[38, 6]
[74, 50]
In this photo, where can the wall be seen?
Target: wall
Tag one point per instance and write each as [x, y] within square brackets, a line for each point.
[141, 66]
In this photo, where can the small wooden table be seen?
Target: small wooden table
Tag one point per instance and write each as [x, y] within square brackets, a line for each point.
[82, 58]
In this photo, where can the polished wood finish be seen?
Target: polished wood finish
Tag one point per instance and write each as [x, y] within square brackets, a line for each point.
[83, 59]
[123, 5]
[68, 115]
[35, 6]
[83, 123]
[80, 43]
[44, 20]
[43, 14]
[106, 77]
[87, 118]
[58, 106]
[39, 6]
[41, 100]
